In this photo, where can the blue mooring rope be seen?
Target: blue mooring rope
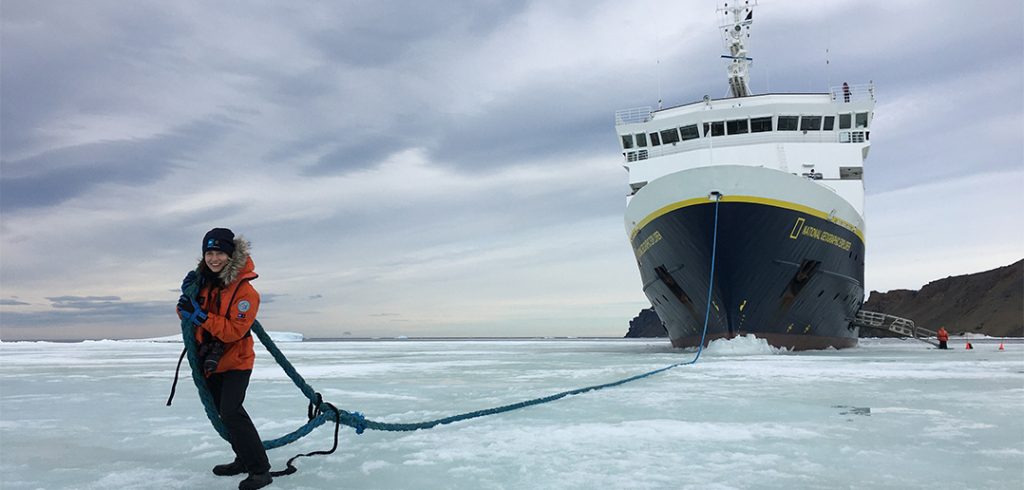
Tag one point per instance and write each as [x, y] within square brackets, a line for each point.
[326, 411]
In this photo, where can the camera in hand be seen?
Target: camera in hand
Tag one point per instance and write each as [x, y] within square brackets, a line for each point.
[210, 353]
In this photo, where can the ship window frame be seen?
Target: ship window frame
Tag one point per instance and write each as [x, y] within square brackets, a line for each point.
[858, 118]
[627, 142]
[670, 135]
[640, 139]
[690, 132]
[736, 122]
[829, 123]
[846, 120]
[717, 128]
[810, 123]
[760, 121]
[794, 119]
[655, 139]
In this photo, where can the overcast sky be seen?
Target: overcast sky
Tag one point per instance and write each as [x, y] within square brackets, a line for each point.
[450, 168]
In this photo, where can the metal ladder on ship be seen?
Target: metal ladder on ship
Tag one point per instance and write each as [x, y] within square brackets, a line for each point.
[903, 327]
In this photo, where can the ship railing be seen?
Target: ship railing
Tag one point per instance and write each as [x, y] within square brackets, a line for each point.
[633, 116]
[853, 93]
[858, 135]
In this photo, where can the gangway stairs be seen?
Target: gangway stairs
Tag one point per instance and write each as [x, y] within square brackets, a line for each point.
[900, 326]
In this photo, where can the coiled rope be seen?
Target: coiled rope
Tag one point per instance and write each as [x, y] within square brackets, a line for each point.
[321, 411]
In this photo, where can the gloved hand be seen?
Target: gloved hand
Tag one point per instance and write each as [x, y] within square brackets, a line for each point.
[189, 308]
[190, 279]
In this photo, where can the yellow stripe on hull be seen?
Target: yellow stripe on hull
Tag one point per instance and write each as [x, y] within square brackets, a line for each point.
[747, 199]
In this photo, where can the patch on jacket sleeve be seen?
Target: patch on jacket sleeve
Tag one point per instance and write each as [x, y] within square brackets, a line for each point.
[243, 306]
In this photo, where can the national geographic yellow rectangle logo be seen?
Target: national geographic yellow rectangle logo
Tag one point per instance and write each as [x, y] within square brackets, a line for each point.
[796, 228]
[648, 243]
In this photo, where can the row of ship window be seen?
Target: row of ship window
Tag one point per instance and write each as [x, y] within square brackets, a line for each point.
[744, 126]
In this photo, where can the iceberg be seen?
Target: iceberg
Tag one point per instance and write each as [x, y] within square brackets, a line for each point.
[285, 336]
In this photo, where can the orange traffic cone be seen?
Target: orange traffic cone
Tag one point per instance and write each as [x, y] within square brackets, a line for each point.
[1001, 346]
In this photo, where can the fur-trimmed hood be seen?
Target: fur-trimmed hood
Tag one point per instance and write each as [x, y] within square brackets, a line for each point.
[239, 266]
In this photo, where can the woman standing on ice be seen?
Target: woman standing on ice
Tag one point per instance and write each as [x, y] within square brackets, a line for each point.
[223, 312]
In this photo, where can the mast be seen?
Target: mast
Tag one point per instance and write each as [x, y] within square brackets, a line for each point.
[735, 30]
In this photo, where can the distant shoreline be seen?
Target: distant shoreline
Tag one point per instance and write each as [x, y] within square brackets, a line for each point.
[952, 339]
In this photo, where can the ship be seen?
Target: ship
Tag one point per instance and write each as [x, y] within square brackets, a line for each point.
[765, 190]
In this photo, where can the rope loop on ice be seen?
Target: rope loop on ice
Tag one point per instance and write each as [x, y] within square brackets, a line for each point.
[320, 411]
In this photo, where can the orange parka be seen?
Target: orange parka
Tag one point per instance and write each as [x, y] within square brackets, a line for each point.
[942, 334]
[232, 310]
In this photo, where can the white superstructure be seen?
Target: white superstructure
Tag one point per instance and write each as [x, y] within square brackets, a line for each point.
[821, 137]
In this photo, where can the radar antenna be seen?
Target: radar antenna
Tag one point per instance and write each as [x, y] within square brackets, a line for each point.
[735, 30]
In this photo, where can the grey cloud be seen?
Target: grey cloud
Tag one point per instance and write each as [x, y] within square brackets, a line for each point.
[12, 302]
[75, 58]
[383, 33]
[85, 302]
[542, 120]
[883, 46]
[92, 310]
[58, 175]
[74, 311]
[357, 151]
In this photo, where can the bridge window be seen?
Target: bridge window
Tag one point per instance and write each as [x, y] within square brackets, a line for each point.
[627, 141]
[844, 121]
[641, 140]
[788, 123]
[655, 140]
[862, 120]
[689, 132]
[810, 123]
[669, 136]
[716, 128]
[760, 124]
[830, 122]
[737, 126]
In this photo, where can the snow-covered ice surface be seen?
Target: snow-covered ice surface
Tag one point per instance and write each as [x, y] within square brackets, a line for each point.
[888, 414]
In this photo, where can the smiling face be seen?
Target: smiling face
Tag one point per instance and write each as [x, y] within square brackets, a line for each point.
[216, 260]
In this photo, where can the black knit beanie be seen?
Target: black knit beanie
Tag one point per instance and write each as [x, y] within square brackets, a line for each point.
[219, 239]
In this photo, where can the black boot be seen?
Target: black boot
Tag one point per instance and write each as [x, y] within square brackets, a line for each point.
[255, 480]
[231, 469]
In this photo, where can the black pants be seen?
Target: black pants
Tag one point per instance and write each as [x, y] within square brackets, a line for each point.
[942, 344]
[228, 390]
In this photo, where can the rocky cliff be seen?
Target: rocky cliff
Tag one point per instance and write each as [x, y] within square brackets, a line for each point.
[990, 302]
[646, 324]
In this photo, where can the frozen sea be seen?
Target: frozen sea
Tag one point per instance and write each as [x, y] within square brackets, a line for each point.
[887, 414]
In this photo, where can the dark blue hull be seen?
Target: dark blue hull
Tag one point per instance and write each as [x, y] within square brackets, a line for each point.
[792, 278]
